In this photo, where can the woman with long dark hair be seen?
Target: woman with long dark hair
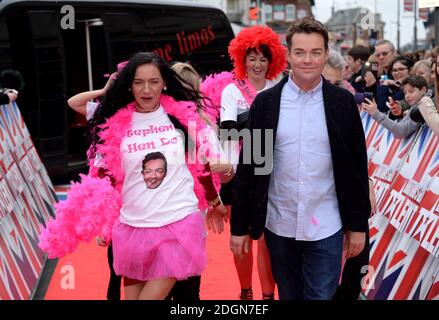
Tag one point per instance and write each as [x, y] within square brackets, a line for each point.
[159, 236]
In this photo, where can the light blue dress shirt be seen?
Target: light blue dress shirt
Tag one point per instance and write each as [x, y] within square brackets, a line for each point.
[302, 201]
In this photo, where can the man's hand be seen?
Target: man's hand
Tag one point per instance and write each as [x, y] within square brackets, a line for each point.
[354, 243]
[216, 217]
[239, 245]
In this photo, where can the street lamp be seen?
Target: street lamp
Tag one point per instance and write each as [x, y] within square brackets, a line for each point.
[90, 23]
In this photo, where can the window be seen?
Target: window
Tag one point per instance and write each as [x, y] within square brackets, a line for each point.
[268, 12]
[279, 12]
[291, 12]
[301, 14]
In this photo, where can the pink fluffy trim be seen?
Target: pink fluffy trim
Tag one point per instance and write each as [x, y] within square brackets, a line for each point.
[212, 87]
[90, 210]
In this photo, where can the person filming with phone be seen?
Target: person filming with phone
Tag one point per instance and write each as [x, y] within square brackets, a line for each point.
[390, 92]
[414, 88]
[364, 72]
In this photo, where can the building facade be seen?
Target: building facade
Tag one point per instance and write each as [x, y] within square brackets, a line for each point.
[349, 27]
[277, 14]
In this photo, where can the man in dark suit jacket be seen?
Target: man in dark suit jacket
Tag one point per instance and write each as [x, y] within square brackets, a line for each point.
[318, 188]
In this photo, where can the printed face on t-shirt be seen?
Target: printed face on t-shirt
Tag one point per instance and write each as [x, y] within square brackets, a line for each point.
[154, 171]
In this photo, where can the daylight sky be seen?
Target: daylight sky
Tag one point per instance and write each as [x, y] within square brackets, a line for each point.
[388, 10]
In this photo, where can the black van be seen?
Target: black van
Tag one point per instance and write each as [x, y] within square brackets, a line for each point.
[62, 48]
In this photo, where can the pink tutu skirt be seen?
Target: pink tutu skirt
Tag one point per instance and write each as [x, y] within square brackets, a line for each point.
[176, 250]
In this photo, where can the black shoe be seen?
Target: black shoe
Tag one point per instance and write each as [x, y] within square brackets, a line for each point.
[268, 296]
[246, 294]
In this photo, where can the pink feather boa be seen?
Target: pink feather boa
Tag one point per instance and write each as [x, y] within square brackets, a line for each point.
[212, 87]
[90, 210]
[93, 205]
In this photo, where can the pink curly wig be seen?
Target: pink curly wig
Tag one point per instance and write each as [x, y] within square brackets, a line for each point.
[254, 37]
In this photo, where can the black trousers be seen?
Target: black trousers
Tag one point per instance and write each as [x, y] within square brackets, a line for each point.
[113, 291]
[354, 271]
[186, 290]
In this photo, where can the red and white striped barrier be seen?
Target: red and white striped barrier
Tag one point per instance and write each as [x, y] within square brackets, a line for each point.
[404, 234]
[26, 203]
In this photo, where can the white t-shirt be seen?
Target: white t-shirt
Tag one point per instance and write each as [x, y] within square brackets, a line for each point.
[90, 109]
[174, 198]
[233, 102]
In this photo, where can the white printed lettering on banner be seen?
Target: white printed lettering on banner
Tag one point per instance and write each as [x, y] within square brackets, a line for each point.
[49, 187]
[381, 188]
[41, 186]
[26, 168]
[14, 132]
[424, 229]
[385, 173]
[414, 190]
[6, 199]
[6, 161]
[396, 208]
[19, 119]
[34, 159]
[42, 197]
[33, 205]
[15, 180]
[5, 154]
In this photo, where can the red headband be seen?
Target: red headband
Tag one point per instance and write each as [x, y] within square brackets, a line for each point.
[254, 37]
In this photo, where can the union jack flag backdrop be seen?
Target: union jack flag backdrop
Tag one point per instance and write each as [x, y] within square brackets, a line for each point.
[404, 234]
[26, 203]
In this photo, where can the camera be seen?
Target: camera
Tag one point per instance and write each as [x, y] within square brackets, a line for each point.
[360, 97]
[369, 66]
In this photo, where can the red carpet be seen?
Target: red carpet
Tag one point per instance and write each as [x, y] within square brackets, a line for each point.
[88, 270]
